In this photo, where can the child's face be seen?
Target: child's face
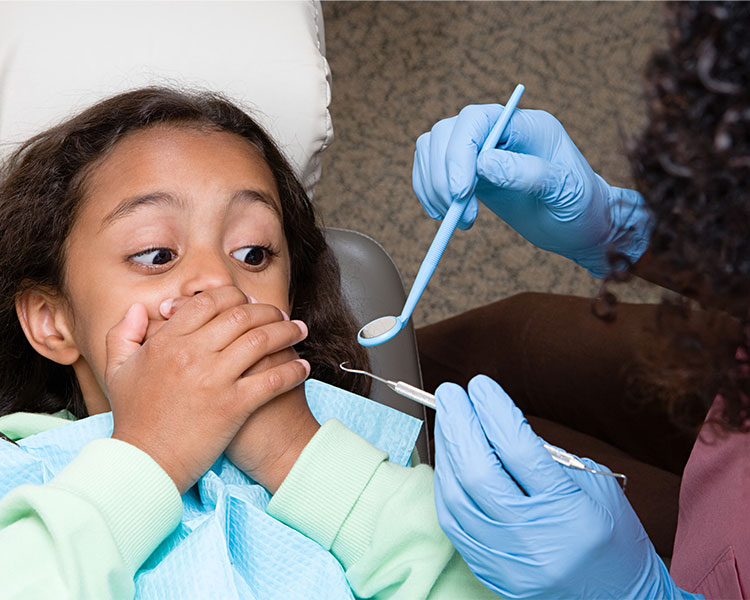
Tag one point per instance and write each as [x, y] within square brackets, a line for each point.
[170, 212]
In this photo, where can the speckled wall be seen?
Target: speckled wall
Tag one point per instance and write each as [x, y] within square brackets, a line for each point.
[400, 66]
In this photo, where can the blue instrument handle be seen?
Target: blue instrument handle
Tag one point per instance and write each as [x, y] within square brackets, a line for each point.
[454, 214]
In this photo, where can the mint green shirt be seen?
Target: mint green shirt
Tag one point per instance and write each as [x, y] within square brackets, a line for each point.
[86, 533]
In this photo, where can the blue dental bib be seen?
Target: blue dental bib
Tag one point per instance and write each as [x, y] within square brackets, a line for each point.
[226, 546]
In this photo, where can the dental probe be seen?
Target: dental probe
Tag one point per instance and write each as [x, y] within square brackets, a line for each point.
[566, 459]
[400, 387]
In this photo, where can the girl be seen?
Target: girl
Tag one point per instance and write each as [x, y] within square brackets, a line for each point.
[153, 249]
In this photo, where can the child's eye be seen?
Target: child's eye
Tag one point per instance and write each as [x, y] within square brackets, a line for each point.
[255, 256]
[153, 257]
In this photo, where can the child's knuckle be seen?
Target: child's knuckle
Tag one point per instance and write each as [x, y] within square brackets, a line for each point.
[257, 340]
[205, 303]
[205, 381]
[274, 381]
[239, 316]
[182, 358]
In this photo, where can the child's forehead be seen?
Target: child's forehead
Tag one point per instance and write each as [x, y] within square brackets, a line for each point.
[168, 140]
[176, 158]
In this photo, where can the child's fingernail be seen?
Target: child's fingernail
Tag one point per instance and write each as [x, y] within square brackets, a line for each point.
[305, 364]
[283, 314]
[166, 308]
[251, 300]
[302, 327]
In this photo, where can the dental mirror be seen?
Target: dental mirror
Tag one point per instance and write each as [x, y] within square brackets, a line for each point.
[382, 329]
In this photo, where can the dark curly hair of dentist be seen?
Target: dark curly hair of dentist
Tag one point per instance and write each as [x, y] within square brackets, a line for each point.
[42, 186]
[692, 164]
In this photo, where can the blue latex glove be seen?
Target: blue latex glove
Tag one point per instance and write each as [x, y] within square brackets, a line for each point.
[537, 181]
[573, 536]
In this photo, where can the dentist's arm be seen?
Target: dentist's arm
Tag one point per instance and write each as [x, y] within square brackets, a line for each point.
[536, 180]
[572, 534]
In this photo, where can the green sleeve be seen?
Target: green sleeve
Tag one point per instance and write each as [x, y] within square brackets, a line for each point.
[376, 517]
[85, 533]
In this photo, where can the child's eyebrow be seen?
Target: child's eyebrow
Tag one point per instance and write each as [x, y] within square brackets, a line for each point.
[251, 196]
[129, 205]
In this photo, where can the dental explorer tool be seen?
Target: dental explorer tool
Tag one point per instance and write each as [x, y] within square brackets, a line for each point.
[400, 387]
[382, 329]
[566, 459]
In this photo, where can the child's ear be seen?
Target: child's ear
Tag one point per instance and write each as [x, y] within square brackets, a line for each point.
[46, 325]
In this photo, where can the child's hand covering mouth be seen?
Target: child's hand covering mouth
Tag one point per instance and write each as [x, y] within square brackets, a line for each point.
[170, 306]
[218, 361]
[166, 309]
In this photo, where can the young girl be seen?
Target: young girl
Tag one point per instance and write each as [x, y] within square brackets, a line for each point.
[152, 250]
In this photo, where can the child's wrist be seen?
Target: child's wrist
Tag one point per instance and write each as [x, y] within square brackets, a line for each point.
[179, 476]
[272, 439]
[276, 471]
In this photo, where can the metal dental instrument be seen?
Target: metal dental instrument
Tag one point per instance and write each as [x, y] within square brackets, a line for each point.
[400, 387]
[382, 329]
[566, 459]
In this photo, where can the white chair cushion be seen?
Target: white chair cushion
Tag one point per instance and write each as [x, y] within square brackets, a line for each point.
[60, 57]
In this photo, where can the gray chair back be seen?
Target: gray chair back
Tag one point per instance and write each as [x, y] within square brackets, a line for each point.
[373, 288]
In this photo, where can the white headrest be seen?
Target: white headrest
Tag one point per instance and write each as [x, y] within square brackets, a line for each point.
[57, 58]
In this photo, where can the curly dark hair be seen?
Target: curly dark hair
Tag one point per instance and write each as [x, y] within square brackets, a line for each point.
[692, 164]
[42, 186]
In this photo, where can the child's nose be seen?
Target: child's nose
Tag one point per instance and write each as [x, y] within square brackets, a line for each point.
[206, 271]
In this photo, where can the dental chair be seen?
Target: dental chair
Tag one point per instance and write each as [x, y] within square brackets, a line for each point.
[58, 58]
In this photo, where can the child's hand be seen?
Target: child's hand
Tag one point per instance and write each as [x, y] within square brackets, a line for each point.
[270, 441]
[272, 438]
[182, 395]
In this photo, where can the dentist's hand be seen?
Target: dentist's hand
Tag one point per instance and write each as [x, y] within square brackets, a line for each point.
[537, 181]
[572, 535]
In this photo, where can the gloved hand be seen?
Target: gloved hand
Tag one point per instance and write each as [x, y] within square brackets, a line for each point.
[537, 181]
[573, 536]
